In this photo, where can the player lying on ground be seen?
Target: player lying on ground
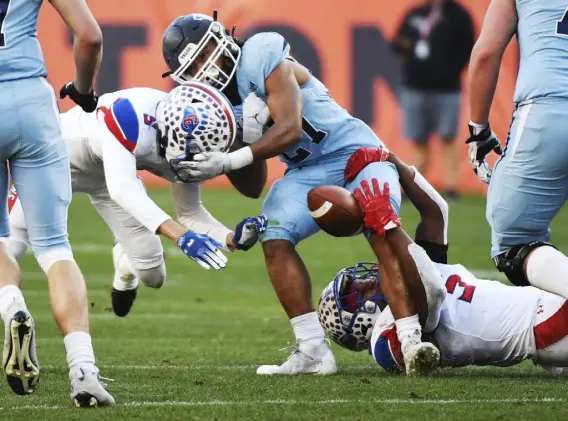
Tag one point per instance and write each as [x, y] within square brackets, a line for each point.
[479, 322]
[144, 128]
[529, 184]
[315, 137]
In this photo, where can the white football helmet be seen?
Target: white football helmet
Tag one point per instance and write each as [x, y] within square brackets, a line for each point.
[345, 317]
[194, 118]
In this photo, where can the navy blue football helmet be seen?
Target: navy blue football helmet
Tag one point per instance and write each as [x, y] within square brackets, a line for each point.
[185, 39]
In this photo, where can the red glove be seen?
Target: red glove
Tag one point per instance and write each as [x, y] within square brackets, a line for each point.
[379, 214]
[363, 157]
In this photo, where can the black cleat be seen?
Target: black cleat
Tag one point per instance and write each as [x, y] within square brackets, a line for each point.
[122, 301]
[19, 361]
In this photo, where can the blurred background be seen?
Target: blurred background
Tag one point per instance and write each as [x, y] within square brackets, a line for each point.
[363, 50]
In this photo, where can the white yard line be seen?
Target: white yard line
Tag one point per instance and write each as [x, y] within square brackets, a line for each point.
[283, 402]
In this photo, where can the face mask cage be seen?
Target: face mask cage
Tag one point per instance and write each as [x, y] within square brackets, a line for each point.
[345, 289]
[210, 73]
[345, 315]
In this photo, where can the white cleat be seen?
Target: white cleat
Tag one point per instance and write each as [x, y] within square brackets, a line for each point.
[19, 359]
[87, 391]
[315, 360]
[421, 359]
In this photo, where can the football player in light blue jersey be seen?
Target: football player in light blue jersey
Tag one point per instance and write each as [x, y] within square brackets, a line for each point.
[529, 183]
[31, 143]
[316, 138]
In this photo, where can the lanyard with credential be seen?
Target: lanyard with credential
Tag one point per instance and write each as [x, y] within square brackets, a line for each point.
[422, 48]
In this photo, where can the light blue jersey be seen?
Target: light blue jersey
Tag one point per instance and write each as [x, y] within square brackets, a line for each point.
[542, 31]
[20, 52]
[331, 135]
[329, 130]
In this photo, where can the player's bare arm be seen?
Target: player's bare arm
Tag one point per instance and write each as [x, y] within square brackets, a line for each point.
[398, 268]
[249, 180]
[87, 50]
[431, 231]
[285, 105]
[498, 28]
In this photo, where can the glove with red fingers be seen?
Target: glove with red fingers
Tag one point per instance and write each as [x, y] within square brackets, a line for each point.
[363, 157]
[379, 214]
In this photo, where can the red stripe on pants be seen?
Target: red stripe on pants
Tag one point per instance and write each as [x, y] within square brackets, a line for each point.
[553, 329]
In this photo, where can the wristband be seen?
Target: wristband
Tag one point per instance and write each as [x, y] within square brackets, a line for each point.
[240, 158]
[477, 128]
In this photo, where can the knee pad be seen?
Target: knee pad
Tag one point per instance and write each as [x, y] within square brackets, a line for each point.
[152, 277]
[52, 256]
[511, 263]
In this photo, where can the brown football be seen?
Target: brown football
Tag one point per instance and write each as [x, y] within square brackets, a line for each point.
[335, 210]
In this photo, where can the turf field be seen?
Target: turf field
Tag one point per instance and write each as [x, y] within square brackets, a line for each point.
[190, 350]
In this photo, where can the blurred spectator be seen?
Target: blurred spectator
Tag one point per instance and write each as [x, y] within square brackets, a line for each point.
[435, 40]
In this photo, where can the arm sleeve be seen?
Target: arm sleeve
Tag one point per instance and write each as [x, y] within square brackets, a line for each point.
[192, 214]
[123, 185]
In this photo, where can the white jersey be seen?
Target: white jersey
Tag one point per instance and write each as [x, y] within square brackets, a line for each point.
[130, 118]
[108, 146]
[484, 322]
[481, 323]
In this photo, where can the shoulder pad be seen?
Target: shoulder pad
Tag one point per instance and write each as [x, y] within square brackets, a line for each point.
[122, 121]
[261, 54]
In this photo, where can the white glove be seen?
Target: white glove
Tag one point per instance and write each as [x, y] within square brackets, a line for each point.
[481, 142]
[482, 170]
[208, 165]
[255, 117]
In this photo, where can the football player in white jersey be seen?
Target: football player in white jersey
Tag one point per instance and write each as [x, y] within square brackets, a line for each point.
[144, 128]
[474, 322]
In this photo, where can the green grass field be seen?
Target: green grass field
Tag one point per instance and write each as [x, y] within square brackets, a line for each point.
[190, 350]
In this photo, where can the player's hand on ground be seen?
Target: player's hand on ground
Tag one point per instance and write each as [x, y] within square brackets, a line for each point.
[363, 157]
[480, 144]
[247, 232]
[203, 250]
[208, 165]
[379, 214]
[88, 102]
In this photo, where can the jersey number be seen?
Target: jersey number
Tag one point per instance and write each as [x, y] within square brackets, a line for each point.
[4, 5]
[562, 25]
[468, 290]
[316, 136]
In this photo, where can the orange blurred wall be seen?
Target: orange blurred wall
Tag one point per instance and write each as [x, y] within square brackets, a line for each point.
[347, 45]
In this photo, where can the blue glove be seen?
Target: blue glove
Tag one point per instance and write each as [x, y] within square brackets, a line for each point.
[203, 250]
[247, 232]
